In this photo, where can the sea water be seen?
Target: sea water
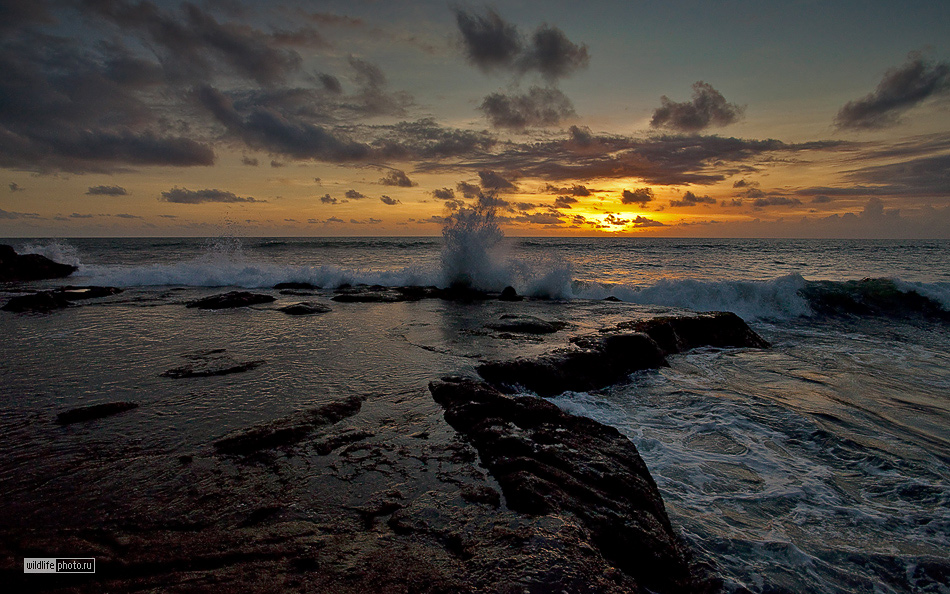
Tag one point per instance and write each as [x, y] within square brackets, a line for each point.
[818, 465]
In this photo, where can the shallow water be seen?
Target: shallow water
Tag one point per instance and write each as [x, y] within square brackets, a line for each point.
[819, 465]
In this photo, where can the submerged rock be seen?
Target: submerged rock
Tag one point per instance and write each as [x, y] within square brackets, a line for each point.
[600, 362]
[289, 430]
[213, 367]
[30, 267]
[46, 301]
[548, 462]
[526, 325]
[231, 300]
[96, 411]
[304, 308]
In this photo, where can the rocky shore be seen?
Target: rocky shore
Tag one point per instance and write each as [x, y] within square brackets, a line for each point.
[465, 487]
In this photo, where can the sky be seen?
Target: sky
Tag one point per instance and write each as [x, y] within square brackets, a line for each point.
[682, 118]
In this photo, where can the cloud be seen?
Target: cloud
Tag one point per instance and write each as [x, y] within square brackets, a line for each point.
[127, 216]
[327, 200]
[639, 196]
[107, 191]
[540, 218]
[331, 84]
[574, 190]
[398, 178]
[245, 160]
[540, 107]
[775, 201]
[5, 214]
[553, 55]
[468, 190]
[642, 221]
[690, 199]
[15, 187]
[444, 194]
[354, 195]
[564, 201]
[372, 98]
[708, 108]
[185, 196]
[822, 199]
[923, 177]
[900, 90]
[77, 215]
[492, 181]
[387, 200]
[276, 164]
[491, 43]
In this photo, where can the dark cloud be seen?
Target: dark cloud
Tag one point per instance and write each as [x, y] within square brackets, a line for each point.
[642, 221]
[553, 55]
[331, 84]
[372, 98]
[107, 191]
[540, 107]
[775, 201]
[398, 178]
[564, 201]
[900, 90]
[742, 183]
[850, 191]
[540, 218]
[425, 139]
[489, 42]
[369, 221]
[76, 215]
[276, 164]
[444, 194]
[927, 177]
[267, 129]
[304, 37]
[690, 199]
[249, 161]
[639, 196]
[127, 216]
[354, 195]
[326, 199]
[614, 220]
[192, 44]
[387, 200]
[334, 220]
[15, 187]
[821, 199]
[493, 181]
[5, 214]
[336, 20]
[574, 190]
[708, 108]
[468, 190]
[185, 196]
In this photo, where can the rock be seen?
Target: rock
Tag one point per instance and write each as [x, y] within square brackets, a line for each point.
[231, 299]
[526, 325]
[221, 366]
[96, 411]
[47, 301]
[296, 293]
[548, 462]
[304, 308]
[288, 430]
[30, 267]
[600, 362]
[676, 334]
[509, 294]
[296, 285]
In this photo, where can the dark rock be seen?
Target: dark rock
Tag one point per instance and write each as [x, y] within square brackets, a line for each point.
[296, 285]
[509, 294]
[526, 325]
[303, 309]
[548, 462]
[599, 362]
[296, 293]
[481, 494]
[231, 299]
[676, 334]
[212, 367]
[332, 442]
[611, 298]
[870, 297]
[47, 301]
[288, 430]
[96, 411]
[29, 267]
[42, 302]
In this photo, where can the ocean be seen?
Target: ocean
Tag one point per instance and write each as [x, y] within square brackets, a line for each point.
[821, 464]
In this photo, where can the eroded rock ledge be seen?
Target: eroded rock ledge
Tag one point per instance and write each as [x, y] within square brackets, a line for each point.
[601, 360]
[548, 462]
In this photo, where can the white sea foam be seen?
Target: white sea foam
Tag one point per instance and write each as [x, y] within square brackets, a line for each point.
[57, 251]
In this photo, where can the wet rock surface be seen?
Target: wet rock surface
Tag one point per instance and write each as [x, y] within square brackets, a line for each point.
[231, 300]
[600, 360]
[211, 363]
[526, 324]
[61, 298]
[305, 308]
[552, 463]
[30, 267]
[92, 412]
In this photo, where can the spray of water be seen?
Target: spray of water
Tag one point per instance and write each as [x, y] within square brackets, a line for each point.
[471, 237]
